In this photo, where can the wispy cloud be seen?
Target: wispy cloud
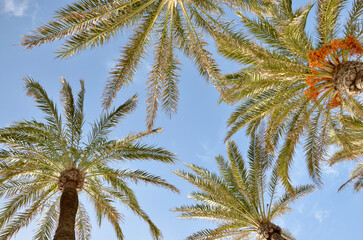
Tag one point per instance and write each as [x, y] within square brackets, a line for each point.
[300, 208]
[328, 170]
[321, 215]
[15, 7]
[209, 152]
[296, 229]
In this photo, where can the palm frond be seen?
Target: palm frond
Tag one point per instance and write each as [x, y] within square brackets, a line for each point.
[37, 159]
[235, 199]
[108, 120]
[83, 224]
[124, 71]
[23, 219]
[35, 90]
[354, 24]
[104, 209]
[134, 206]
[328, 19]
[48, 223]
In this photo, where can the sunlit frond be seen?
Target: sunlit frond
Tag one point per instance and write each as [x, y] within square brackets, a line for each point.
[236, 198]
[163, 26]
[38, 159]
[289, 79]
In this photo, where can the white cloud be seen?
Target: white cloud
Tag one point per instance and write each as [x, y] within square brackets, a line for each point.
[16, 7]
[330, 170]
[321, 215]
[209, 152]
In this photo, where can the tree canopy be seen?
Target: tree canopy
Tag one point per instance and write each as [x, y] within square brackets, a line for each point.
[38, 154]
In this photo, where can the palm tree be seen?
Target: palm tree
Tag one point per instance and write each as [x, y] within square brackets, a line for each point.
[294, 82]
[351, 152]
[166, 25]
[240, 199]
[46, 165]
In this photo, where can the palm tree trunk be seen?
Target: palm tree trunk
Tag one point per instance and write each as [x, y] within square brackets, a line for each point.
[270, 231]
[68, 211]
[348, 77]
[277, 236]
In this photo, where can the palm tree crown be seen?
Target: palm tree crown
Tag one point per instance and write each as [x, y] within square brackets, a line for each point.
[240, 199]
[298, 84]
[42, 161]
[170, 24]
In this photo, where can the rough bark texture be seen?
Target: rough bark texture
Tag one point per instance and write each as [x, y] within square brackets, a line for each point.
[348, 77]
[68, 211]
[73, 175]
[276, 236]
[270, 231]
[69, 182]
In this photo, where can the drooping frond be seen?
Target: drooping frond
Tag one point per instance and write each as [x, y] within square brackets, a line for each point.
[163, 26]
[83, 224]
[48, 223]
[352, 152]
[134, 206]
[356, 176]
[135, 176]
[124, 71]
[35, 199]
[103, 207]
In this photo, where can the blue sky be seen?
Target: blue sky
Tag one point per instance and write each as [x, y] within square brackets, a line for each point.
[195, 134]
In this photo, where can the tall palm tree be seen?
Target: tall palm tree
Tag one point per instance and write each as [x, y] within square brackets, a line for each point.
[166, 25]
[352, 152]
[296, 82]
[46, 165]
[240, 199]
